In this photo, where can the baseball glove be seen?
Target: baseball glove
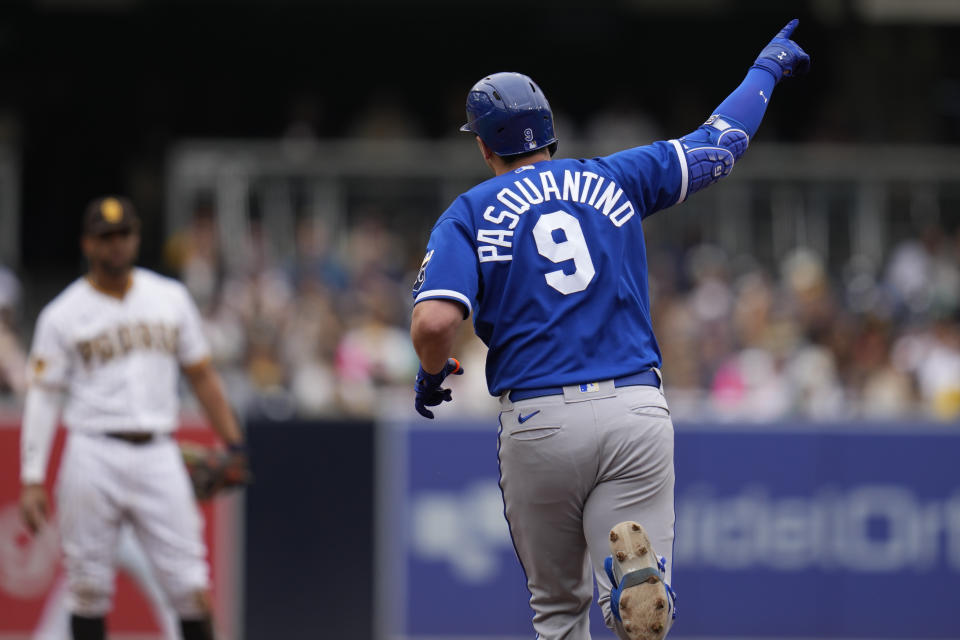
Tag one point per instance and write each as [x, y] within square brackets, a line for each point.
[213, 471]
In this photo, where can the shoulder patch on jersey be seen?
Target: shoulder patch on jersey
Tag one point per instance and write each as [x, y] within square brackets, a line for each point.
[422, 274]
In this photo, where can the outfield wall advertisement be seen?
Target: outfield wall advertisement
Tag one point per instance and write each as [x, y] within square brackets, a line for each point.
[32, 581]
[784, 531]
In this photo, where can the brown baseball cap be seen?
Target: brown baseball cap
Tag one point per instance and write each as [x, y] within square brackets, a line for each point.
[110, 214]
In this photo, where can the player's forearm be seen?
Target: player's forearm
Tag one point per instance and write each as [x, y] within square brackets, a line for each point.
[709, 153]
[433, 331]
[208, 389]
[219, 412]
[748, 102]
[781, 58]
[40, 413]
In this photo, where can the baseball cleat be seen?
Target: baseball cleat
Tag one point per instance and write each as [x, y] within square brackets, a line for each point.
[639, 599]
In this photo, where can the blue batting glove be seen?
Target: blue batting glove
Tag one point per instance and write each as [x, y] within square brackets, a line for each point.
[783, 57]
[429, 393]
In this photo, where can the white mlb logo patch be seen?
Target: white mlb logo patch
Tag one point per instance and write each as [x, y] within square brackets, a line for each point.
[589, 387]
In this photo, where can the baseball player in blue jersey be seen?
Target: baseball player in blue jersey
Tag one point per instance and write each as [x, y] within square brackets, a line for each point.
[548, 257]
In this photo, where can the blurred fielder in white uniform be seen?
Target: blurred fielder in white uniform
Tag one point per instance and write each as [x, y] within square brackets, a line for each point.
[110, 347]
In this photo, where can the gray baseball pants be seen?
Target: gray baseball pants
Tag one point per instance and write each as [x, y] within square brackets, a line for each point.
[578, 464]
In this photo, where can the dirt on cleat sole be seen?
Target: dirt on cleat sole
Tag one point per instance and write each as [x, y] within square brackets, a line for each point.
[643, 606]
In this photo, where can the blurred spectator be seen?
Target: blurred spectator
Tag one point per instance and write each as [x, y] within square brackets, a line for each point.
[314, 263]
[193, 254]
[932, 355]
[809, 297]
[753, 309]
[373, 250]
[374, 351]
[309, 348]
[13, 359]
[811, 375]
[886, 391]
[750, 387]
[924, 274]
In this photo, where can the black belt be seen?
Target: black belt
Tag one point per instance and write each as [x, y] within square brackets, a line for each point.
[133, 437]
[648, 378]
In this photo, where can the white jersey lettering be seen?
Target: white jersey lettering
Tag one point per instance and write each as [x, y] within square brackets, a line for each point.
[488, 216]
[549, 185]
[118, 359]
[512, 201]
[583, 187]
[571, 185]
[534, 196]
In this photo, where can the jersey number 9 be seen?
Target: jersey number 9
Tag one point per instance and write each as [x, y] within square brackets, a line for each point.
[572, 247]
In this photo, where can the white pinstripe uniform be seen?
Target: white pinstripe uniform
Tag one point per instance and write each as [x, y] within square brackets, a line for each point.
[118, 361]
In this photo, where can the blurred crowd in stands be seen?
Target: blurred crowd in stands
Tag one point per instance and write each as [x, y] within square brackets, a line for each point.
[323, 331]
[320, 328]
[743, 343]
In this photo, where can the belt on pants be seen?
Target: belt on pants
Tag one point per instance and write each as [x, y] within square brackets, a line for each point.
[648, 378]
[133, 437]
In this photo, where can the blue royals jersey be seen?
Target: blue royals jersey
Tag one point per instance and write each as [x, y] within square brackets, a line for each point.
[550, 260]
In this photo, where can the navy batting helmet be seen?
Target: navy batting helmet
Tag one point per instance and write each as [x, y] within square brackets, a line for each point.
[510, 114]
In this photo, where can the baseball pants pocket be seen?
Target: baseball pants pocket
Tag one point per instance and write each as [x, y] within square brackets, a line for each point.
[651, 412]
[646, 402]
[532, 422]
[534, 433]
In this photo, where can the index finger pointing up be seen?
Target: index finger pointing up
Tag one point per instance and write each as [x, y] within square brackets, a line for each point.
[787, 31]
